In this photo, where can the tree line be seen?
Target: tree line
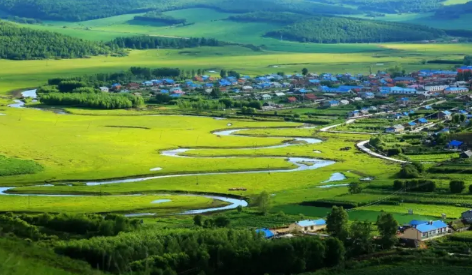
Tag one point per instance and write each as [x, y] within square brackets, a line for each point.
[42, 226]
[212, 249]
[81, 10]
[325, 29]
[88, 100]
[154, 42]
[393, 6]
[20, 43]
[204, 251]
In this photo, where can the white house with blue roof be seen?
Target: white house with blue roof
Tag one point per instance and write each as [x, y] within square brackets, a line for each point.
[424, 230]
[308, 225]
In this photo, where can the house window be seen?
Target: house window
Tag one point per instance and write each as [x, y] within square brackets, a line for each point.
[425, 234]
[306, 228]
[312, 228]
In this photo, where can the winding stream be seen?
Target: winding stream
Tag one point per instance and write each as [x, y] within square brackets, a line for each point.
[300, 163]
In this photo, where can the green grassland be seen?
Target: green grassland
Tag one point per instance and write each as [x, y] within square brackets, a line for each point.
[103, 204]
[75, 147]
[32, 73]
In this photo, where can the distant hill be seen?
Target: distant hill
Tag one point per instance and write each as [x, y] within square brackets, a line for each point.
[23, 43]
[391, 6]
[454, 11]
[80, 10]
[325, 29]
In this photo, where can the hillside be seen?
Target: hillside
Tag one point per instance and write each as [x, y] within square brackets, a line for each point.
[75, 10]
[454, 11]
[23, 43]
[391, 6]
[324, 29]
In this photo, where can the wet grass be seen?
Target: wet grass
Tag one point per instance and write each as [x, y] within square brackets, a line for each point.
[102, 204]
[74, 147]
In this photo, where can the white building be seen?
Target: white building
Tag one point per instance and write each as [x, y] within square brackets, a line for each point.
[308, 225]
[427, 230]
[436, 88]
[104, 89]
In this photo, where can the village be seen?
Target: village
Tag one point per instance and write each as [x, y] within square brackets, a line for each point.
[327, 90]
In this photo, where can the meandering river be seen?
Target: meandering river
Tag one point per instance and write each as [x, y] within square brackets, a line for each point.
[300, 163]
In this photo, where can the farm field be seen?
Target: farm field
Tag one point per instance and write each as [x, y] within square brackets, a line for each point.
[32, 73]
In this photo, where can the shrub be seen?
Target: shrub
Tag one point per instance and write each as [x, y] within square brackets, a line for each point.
[456, 186]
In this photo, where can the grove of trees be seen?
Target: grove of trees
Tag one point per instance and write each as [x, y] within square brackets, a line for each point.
[20, 43]
[325, 29]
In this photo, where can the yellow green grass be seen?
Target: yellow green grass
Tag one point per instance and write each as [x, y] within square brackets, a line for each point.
[72, 147]
[102, 204]
[420, 209]
[292, 187]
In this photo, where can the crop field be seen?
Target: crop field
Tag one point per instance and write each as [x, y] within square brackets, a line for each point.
[32, 73]
[432, 157]
[360, 215]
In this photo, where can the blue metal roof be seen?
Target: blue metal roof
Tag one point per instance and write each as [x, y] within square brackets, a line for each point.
[426, 227]
[455, 143]
[423, 120]
[266, 232]
[416, 222]
[311, 222]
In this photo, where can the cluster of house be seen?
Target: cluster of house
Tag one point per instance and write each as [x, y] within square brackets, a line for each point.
[414, 124]
[298, 87]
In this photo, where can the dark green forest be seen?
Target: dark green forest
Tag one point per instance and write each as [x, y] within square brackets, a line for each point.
[157, 16]
[454, 11]
[153, 42]
[391, 6]
[324, 29]
[80, 10]
[22, 43]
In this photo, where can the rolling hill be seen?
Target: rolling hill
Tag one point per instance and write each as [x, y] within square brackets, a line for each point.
[23, 43]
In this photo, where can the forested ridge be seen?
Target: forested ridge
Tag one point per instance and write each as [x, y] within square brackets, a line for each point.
[454, 11]
[23, 43]
[154, 42]
[391, 6]
[325, 29]
[80, 10]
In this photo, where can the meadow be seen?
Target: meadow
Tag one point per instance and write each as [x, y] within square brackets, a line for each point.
[105, 204]
[75, 147]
